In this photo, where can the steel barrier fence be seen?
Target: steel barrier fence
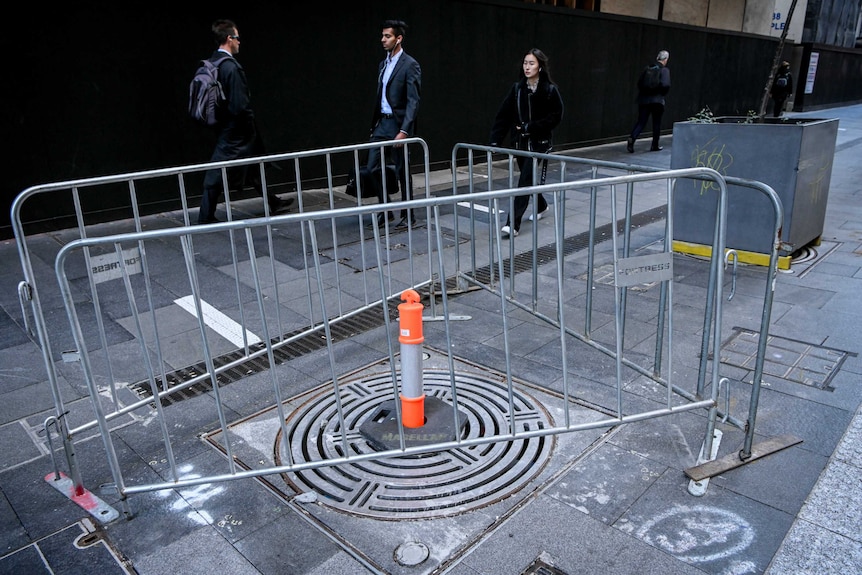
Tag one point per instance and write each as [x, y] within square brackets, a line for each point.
[345, 271]
[86, 197]
[484, 160]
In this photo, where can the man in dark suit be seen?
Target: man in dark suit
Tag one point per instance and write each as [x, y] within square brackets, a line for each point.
[396, 107]
[237, 133]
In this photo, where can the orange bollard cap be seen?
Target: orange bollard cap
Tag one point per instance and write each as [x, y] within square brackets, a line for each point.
[410, 318]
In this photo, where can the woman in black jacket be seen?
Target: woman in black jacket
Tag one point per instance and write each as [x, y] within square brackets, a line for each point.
[531, 110]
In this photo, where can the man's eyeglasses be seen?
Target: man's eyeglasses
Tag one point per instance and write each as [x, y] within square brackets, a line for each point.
[234, 38]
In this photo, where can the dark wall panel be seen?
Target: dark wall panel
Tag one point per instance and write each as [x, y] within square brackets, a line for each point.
[96, 88]
[838, 78]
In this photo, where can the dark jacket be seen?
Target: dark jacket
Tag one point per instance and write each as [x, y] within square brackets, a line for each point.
[782, 92]
[654, 95]
[537, 113]
[237, 133]
[402, 92]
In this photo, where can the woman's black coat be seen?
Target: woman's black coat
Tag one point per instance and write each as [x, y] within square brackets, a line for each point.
[535, 113]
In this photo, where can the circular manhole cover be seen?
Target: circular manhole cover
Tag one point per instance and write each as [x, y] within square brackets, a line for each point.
[806, 254]
[412, 553]
[416, 486]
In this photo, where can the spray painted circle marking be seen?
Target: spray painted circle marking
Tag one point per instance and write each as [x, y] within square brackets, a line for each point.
[698, 534]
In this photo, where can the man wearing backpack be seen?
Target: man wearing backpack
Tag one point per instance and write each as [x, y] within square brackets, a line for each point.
[782, 87]
[650, 100]
[237, 135]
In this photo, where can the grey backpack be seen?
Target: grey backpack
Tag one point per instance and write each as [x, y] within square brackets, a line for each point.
[206, 93]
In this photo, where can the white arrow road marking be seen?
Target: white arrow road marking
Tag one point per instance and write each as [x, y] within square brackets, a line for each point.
[218, 322]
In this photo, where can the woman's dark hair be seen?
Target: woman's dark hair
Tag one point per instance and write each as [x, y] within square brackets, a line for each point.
[544, 71]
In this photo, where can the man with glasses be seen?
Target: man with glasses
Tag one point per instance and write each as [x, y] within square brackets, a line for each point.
[237, 135]
[396, 107]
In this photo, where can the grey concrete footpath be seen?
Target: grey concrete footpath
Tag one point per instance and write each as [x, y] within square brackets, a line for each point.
[826, 536]
[619, 505]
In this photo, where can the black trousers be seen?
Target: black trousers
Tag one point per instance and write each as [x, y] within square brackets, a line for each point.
[525, 180]
[237, 178]
[655, 110]
[387, 129]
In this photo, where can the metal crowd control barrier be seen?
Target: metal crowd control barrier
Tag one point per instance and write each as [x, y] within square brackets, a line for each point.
[86, 198]
[481, 162]
[143, 287]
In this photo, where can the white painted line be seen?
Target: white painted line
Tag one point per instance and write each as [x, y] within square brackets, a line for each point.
[478, 207]
[218, 322]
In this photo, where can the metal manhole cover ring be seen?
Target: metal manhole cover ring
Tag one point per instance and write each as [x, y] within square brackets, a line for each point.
[803, 255]
[417, 486]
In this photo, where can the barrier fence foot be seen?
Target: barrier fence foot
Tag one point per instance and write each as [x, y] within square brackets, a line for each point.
[732, 460]
[91, 503]
[697, 487]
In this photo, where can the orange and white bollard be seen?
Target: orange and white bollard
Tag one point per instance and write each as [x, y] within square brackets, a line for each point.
[411, 338]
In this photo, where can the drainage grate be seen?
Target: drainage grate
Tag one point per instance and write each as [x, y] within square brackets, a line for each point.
[340, 331]
[416, 486]
[546, 254]
[541, 566]
[367, 320]
[786, 359]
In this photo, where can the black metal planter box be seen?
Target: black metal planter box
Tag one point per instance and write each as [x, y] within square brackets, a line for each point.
[791, 155]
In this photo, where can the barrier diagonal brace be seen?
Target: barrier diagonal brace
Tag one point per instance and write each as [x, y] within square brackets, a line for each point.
[732, 460]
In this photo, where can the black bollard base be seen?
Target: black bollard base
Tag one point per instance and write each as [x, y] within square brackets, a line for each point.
[381, 429]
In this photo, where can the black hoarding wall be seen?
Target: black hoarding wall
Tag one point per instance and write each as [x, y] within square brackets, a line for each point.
[837, 77]
[98, 89]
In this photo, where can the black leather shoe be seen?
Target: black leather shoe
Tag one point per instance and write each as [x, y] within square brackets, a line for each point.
[383, 217]
[404, 223]
[209, 221]
[407, 215]
[630, 146]
[656, 149]
[277, 205]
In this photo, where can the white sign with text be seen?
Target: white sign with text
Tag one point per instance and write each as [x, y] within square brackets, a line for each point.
[643, 269]
[107, 267]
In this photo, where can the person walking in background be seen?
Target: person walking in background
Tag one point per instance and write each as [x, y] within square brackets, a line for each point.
[237, 135]
[653, 86]
[531, 110]
[782, 88]
[396, 108]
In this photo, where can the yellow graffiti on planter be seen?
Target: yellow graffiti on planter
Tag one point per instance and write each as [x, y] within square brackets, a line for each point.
[714, 156]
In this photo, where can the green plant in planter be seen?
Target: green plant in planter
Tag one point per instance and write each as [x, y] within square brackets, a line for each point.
[705, 116]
